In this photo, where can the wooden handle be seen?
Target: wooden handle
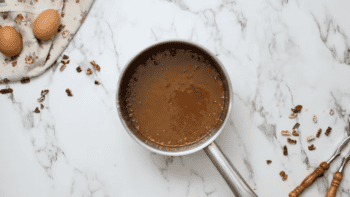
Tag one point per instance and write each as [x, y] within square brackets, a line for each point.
[332, 191]
[309, 179]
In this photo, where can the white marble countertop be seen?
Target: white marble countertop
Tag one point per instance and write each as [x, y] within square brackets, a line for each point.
[278, 54]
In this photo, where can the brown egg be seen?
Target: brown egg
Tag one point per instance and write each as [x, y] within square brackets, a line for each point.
[46, 24]
[10, 41]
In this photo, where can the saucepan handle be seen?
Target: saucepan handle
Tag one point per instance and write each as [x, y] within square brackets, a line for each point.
[232, 177]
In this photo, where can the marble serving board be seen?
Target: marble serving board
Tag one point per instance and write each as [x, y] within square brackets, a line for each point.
[278, 53]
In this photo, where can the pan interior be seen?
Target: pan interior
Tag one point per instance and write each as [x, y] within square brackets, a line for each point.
[146, 61]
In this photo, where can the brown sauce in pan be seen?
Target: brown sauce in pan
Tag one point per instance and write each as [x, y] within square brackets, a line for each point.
[176, 98]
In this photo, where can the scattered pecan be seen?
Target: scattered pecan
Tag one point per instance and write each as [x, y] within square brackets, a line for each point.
[88, 71]
[268, 161]
[19, 18]
[62, 15]
[41, 106]
[65, 57]
[294, 115]
[69, 92]
[41, 99]
[331, 112]
[328, 131]
[318, 133]
[310, 138]
[284, 177]
[6, 91]
[25, 80]
[285, 150]
[6, 80]
[44, 92]
[79, 69]
[97, 82]
[282, 173]
[37, 110]
[295, 133]
[312, 147]
[296, 125]
[96, 66]
[14, 63]
[62, 67]
[297, 109]
[285, 133]
[291, 141]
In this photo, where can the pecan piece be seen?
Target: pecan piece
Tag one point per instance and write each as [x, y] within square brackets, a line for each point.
[44, 92]
[69, 92]
[285, 150]
[295, 133]
[312, 147]
[291, 141]
[88, 71]
[297, 109]
[96, 66]
[318, 133]
[41, 99]
[25, 80]
[6, 91]
[328, 131]
[310, 138]
[62, 67]
[285, 133]
[37, 110]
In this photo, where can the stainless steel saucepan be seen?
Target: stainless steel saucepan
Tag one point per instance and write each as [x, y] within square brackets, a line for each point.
[207, 143]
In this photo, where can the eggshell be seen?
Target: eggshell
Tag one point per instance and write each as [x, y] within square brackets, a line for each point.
[11, 42]
[46, 24]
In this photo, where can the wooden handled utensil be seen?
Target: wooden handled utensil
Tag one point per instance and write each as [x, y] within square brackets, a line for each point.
[338, 176]
[320, 170]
